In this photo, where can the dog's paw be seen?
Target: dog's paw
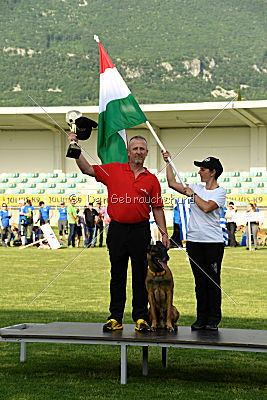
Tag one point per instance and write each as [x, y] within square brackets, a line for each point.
[153, 329]
[170, 329]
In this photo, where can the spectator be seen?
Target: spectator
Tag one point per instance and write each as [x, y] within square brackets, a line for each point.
[23, 214]
[73, 220]
[45, 213]
[90, 215]
[175, 239]
[37, 234]
[79, 228]
[231, 224]
[63, 222]
[17, 237]
[252, 217]
[99, 225]
[6, 233]
[106, 218]
[30, 211]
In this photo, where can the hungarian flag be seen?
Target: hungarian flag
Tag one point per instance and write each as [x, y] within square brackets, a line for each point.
[118, 110]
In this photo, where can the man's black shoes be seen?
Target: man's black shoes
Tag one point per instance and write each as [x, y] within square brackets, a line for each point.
[208, 326]
[198, 325]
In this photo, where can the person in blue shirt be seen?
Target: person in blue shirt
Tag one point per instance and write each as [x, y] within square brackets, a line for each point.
[63, 222]
[30, 211]
[45, 213]
[23, 214]
[6, 233]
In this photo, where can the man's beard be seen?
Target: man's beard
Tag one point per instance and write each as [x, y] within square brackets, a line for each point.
[137, 160]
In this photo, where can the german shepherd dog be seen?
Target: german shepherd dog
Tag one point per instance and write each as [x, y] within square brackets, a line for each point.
[159, 284]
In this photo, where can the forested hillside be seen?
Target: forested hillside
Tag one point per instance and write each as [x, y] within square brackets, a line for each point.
[168, 51]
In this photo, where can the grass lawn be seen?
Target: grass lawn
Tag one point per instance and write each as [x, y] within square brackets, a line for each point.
[81, 293]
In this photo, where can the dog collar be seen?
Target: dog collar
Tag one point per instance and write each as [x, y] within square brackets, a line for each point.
[156, 273]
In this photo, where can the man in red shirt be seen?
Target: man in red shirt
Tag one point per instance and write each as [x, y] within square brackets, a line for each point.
[132, 192]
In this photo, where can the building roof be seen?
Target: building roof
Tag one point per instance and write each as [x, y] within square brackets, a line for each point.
[186, 115]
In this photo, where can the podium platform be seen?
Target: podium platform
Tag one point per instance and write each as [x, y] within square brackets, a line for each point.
[92, 333]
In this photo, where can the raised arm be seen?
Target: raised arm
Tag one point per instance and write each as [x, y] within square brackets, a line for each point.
[82, 163]
[170, 175]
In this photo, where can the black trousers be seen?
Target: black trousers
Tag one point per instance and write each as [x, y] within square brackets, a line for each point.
[231, 227]
[209, 257]
[124, 241]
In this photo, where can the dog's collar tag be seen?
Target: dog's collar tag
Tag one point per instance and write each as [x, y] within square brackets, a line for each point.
[157, 273]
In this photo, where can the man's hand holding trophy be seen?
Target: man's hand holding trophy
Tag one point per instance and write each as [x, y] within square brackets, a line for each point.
[82, 127]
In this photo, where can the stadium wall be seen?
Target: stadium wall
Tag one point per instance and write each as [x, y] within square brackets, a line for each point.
[240, 149]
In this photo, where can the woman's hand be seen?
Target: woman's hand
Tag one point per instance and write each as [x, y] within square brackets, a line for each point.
[165, 155]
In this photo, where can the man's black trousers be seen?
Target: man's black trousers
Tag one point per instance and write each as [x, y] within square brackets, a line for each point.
[207, 256]
[124, 241]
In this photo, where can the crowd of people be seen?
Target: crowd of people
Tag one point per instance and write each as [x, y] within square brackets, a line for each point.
[74, 224]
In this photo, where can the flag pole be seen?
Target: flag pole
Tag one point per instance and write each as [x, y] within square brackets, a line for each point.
[163, 149]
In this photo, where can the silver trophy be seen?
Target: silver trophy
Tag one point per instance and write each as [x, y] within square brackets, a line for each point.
[80, 125]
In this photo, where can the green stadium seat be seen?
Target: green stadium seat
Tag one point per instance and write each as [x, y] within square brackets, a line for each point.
[61, 191]
[63, 180]
[2, 191]
[237, 174]
[72, 175]
[13, 175]
[261, 185]
[52, 185]
[162, 180]
[40, 191]
[259, 174]
[194, 174]
[50, 175]
[228, 191]
[21, 191]
[250, 191]
[238, 185]
[163, 191]
[3, 180]
[100, 191]
[226, 180]
[248, 180]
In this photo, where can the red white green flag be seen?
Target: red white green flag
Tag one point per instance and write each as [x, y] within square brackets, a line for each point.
[118, 110]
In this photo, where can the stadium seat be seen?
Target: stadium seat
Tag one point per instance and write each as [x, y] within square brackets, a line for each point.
[261, 185]
[248, 179]
[13, 175]
[259, 174]
[163, 191]
[238, 185]
[100, 191]
[226, 180]
[250, 191]
[237, 174]
[40, 191]
[2, 191]
[228, 191]
[162, 180]
[50, 175]
[71, 175]
[3, 180]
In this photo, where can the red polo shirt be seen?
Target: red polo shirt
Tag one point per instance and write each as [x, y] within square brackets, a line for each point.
[129, 199]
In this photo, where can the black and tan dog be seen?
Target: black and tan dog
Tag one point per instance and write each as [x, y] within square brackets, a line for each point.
[159, 284]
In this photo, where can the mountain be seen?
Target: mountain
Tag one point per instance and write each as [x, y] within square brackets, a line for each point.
[167, 51]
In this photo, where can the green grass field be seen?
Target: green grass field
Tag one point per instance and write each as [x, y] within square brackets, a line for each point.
[81, 293]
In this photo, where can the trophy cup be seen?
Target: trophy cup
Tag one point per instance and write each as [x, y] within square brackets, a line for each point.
[80, 125]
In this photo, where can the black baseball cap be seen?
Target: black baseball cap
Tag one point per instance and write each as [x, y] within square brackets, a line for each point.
[211, 163]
